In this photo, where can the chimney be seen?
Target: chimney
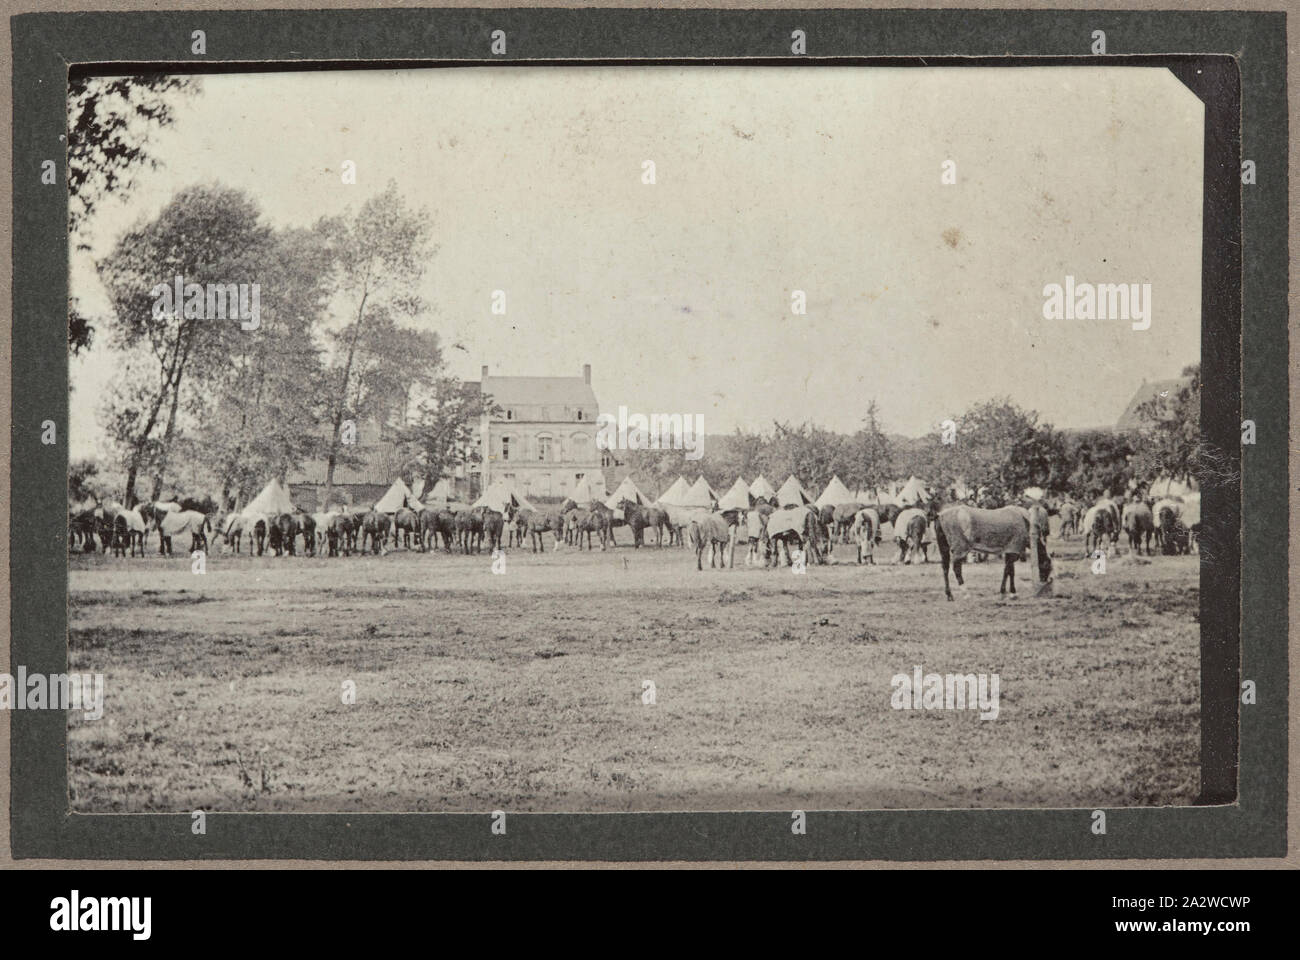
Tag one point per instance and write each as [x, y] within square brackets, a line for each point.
[586, 373]
[484, 376]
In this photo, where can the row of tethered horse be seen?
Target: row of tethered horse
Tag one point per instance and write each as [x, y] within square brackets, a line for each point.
[804, 529]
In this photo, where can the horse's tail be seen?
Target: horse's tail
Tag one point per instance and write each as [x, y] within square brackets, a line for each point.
[693, 535]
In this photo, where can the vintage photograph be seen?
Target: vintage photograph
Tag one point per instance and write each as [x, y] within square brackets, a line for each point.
[605, 438]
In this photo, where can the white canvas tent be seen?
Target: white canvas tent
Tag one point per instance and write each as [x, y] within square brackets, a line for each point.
[274, 498]
[441, 493]
[834, 494]
[913, 492]
[761, 488]
[737, 498]
[397, 497]
[792, 493]
[501, 494]
[627, 490]
[588, 490]
[673, 495]
[699, 495]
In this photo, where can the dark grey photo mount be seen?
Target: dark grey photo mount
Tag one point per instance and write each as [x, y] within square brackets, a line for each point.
[1234, 61]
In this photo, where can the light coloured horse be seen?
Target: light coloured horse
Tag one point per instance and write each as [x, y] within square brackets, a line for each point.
[1007, 531]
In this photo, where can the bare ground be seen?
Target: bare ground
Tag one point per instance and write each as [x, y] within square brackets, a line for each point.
[523, 691]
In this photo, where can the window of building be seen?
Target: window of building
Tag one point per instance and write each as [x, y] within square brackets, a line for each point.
[510, 414]
[544, 448]
[579, 414]
[505, 448]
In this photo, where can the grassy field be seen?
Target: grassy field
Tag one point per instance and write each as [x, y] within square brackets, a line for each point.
[523, 691]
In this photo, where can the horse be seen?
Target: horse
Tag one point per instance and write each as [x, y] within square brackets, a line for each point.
[657, 517]
[337, 528]
[81, 531]
[469, 529]
[1099, 525]
[1006, 531]
[374, 526]
[845, 515]
[128, 529]
[793, 527]
[230, 529]
[445, 527]
[909, 532]
[1173, 533]
[756, 534]
[589, 522]
[535, 524]
[715, 533]
[493, 526]
[289, 528]
[826, 517]
[1139, 525]
[306, 524]
[321, 521]
[888, 512]
[173, 523]
[406, 524]
[259, 535]
[865, 532]
[637, 519]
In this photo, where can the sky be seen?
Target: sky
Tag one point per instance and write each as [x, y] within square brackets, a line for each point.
[923, 296]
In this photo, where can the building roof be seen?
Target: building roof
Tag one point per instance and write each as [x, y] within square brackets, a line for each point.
[540, 391]
[1129, 419]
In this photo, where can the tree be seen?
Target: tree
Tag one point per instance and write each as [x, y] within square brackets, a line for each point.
[999, 450]
[1097, 463]
[1171, 436]
[378, 256]
[442, 434]
[206, 234]
[110, 120]
[264, 407]
[870, 454]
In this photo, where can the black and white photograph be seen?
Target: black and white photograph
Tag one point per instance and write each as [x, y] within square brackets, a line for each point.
[635, 438]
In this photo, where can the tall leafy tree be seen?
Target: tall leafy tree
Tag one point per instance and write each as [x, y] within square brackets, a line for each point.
[110, 121]
[379, 255]
[265, 403]
[206, 234]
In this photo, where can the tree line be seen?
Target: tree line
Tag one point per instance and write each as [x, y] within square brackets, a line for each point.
[995, 449]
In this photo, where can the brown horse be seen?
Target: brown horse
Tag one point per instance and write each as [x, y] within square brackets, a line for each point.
[1139, 526]
[637, 519]
[589, 522]
[406, 525]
